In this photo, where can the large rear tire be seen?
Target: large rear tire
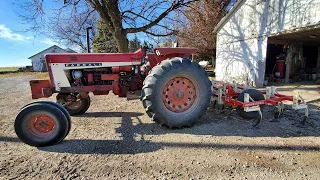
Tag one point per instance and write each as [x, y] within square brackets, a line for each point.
[176, 93]
[73, 104]
[41, 124]
[256, 96]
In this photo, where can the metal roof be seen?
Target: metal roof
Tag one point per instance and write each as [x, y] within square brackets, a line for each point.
[54, 46]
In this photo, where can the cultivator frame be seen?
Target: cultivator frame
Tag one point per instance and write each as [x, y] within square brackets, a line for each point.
[227, 94]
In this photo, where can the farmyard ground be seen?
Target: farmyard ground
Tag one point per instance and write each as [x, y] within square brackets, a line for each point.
[115, 139]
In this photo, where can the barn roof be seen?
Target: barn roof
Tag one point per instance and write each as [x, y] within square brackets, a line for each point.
[54, 46]
[227, 17]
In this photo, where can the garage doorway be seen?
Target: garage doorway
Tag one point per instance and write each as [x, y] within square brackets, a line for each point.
[301, 49]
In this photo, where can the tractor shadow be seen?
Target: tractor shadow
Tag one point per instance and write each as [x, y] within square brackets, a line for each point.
[127, 145]
[212, 123]
[221, 123]
[111, 114]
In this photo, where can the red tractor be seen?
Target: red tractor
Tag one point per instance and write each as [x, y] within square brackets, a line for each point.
[175, 91]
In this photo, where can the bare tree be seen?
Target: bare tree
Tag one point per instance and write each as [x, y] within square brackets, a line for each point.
[121, 17]
[196, 24]
[72, 31]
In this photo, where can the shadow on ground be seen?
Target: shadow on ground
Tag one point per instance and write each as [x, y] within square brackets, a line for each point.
[111, 114]
[212, 123]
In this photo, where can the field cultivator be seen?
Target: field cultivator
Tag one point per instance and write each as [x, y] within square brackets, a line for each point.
[249, 102]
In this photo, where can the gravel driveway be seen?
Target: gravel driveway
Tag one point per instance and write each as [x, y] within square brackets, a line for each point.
[115, 139]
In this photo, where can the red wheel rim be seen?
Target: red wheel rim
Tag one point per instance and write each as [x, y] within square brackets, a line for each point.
[73, 104]
[179, 94]
[41, 125]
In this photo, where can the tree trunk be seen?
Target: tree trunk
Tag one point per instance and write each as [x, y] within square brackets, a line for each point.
[318, 62]
[122, 42]
[288, 64]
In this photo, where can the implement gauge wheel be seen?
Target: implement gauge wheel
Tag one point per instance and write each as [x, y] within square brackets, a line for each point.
[256, 96]
[74, 104]
[176, 93]
[41, 124]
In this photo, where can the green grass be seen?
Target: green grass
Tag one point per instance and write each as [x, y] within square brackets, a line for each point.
[2, 69]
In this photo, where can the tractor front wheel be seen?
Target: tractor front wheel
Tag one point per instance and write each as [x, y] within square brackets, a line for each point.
[41, 124]
[74, 103]
[176, 93]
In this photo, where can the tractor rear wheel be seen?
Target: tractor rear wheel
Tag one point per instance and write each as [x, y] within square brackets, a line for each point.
[74, 103]
[176, 93]
[256, 96]
[41, 124]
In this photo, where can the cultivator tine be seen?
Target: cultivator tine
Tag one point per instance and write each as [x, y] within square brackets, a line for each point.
[229, 115]
[296, 105]
[277, 112]
[258, 120]
[305, 117]
[220, 101]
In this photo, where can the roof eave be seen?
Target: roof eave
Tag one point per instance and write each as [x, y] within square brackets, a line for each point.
[226, 18]
[43, 51]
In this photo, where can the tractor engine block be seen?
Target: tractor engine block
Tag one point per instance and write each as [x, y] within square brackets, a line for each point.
[87, 77]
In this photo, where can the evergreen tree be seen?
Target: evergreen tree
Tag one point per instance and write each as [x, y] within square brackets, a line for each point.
[134, 44]
[104, 41]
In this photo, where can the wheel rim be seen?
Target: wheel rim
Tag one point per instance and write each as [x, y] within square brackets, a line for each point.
[179, 94]
[71, 104]
[41, 125]
[74, 105]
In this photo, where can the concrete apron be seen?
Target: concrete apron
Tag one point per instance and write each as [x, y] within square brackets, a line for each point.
[308, 91]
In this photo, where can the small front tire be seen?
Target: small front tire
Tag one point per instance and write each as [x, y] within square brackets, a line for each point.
[41, 124]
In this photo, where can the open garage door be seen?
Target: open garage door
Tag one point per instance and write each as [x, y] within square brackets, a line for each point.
[294, 56]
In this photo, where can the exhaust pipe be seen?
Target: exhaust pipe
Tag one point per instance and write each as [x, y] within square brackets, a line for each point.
[88, 39]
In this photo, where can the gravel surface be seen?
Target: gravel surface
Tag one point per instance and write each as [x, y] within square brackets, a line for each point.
[115, 139]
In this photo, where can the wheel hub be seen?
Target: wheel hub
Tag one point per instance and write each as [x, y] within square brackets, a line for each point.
[41, 124]
[74, 104]
[179, 94]
[71, 102]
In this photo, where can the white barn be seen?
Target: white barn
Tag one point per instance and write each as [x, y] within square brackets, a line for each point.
[38, 61]
[254, 31]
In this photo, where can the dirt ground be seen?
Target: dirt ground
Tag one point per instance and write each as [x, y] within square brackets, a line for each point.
[115, 139]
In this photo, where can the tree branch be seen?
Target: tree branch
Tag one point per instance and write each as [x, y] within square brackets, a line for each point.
[158, 35]
[175, 5]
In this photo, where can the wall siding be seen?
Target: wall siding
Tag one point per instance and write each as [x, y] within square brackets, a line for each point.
[242, 41]
[36, 60]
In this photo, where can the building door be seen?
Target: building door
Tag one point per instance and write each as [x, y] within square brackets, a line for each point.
[44, 65]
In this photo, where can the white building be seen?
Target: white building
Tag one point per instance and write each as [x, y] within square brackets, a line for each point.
[254, 31]
[38, 61]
